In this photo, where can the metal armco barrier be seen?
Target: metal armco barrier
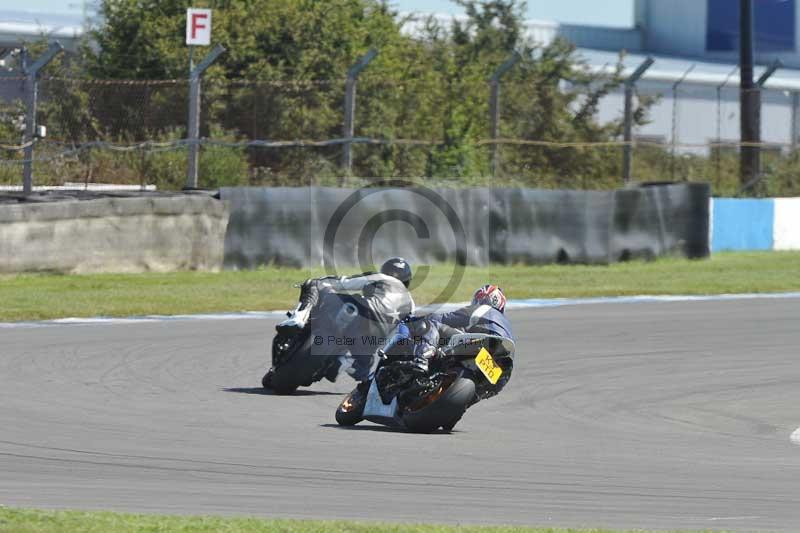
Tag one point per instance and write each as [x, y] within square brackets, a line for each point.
[316, 226]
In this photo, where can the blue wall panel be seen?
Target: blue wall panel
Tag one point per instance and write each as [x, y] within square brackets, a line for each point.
[742, 224]
[774, 25]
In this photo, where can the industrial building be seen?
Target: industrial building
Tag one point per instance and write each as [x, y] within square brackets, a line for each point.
[695, 44]
[20, 27]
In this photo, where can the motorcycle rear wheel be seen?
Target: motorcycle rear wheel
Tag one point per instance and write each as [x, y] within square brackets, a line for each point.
[279, 386]
[444, 411]
[299, 368]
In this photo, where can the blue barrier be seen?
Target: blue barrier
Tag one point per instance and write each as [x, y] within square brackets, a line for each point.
[740, 224]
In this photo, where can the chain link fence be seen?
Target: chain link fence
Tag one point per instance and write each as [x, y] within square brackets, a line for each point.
[292, 132]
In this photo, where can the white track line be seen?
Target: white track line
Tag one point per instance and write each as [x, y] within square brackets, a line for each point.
[141, 319]
[556, 302]
[512, 304]
[726, 518]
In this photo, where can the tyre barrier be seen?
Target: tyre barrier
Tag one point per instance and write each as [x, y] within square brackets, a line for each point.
[313, 226]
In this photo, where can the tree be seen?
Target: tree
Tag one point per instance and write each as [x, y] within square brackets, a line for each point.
[293, 54]
[283, 79]
[548, 96]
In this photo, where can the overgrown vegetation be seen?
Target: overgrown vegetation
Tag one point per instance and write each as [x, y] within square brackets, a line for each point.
[283, 79]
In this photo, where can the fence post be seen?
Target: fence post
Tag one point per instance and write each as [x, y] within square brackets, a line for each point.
[718, 151]
[760, 82]
[350, 107]
[751, 154]
[494, 107]
[675, 119]
[193, 130]
[795, 119]
[31, 96]
[627, 152]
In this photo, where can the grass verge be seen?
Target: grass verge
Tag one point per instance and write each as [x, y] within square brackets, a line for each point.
[31, 520]
[47, 296]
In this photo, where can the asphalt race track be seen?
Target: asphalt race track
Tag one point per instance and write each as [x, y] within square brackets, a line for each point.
[657, 415]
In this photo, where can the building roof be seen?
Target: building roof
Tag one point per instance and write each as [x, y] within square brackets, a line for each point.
[17, 27]
[600, 47]
[671, 69]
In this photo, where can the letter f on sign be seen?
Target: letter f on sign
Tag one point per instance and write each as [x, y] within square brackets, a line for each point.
[198, 27]
[198, 20]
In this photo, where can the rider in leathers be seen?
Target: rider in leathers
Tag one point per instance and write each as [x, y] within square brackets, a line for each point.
[484, 315]
[356, 314]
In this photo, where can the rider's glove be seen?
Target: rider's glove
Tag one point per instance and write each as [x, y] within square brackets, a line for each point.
[429, 352]
[368, 290]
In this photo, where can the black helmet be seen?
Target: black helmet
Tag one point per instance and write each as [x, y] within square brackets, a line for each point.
[397, 267]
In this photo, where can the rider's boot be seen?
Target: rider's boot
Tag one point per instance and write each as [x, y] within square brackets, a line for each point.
[415, 364]
[421, 363]
[309, 295]
[333, 371]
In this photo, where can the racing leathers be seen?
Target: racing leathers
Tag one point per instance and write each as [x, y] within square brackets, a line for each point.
[433, 331]
[354, 315]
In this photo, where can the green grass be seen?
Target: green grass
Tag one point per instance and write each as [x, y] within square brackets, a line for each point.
[36, 521]
[47, 296]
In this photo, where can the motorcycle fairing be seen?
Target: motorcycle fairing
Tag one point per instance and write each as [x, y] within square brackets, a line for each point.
[466, 338]
[375, 408]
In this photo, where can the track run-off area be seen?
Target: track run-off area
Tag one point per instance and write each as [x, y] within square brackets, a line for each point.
[663, 415]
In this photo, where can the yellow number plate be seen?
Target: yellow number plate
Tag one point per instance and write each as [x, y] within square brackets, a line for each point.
[488, 366]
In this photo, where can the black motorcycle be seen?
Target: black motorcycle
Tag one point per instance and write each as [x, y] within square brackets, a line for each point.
[400, 395]
[298, 357]
[295, 362]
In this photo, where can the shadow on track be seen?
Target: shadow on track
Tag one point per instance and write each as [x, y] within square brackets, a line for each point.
[386, 429]
[266, 392]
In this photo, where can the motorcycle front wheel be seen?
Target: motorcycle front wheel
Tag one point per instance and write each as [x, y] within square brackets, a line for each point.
[351, 411]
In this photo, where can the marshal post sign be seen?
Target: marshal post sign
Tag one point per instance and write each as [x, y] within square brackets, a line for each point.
[198, 27]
